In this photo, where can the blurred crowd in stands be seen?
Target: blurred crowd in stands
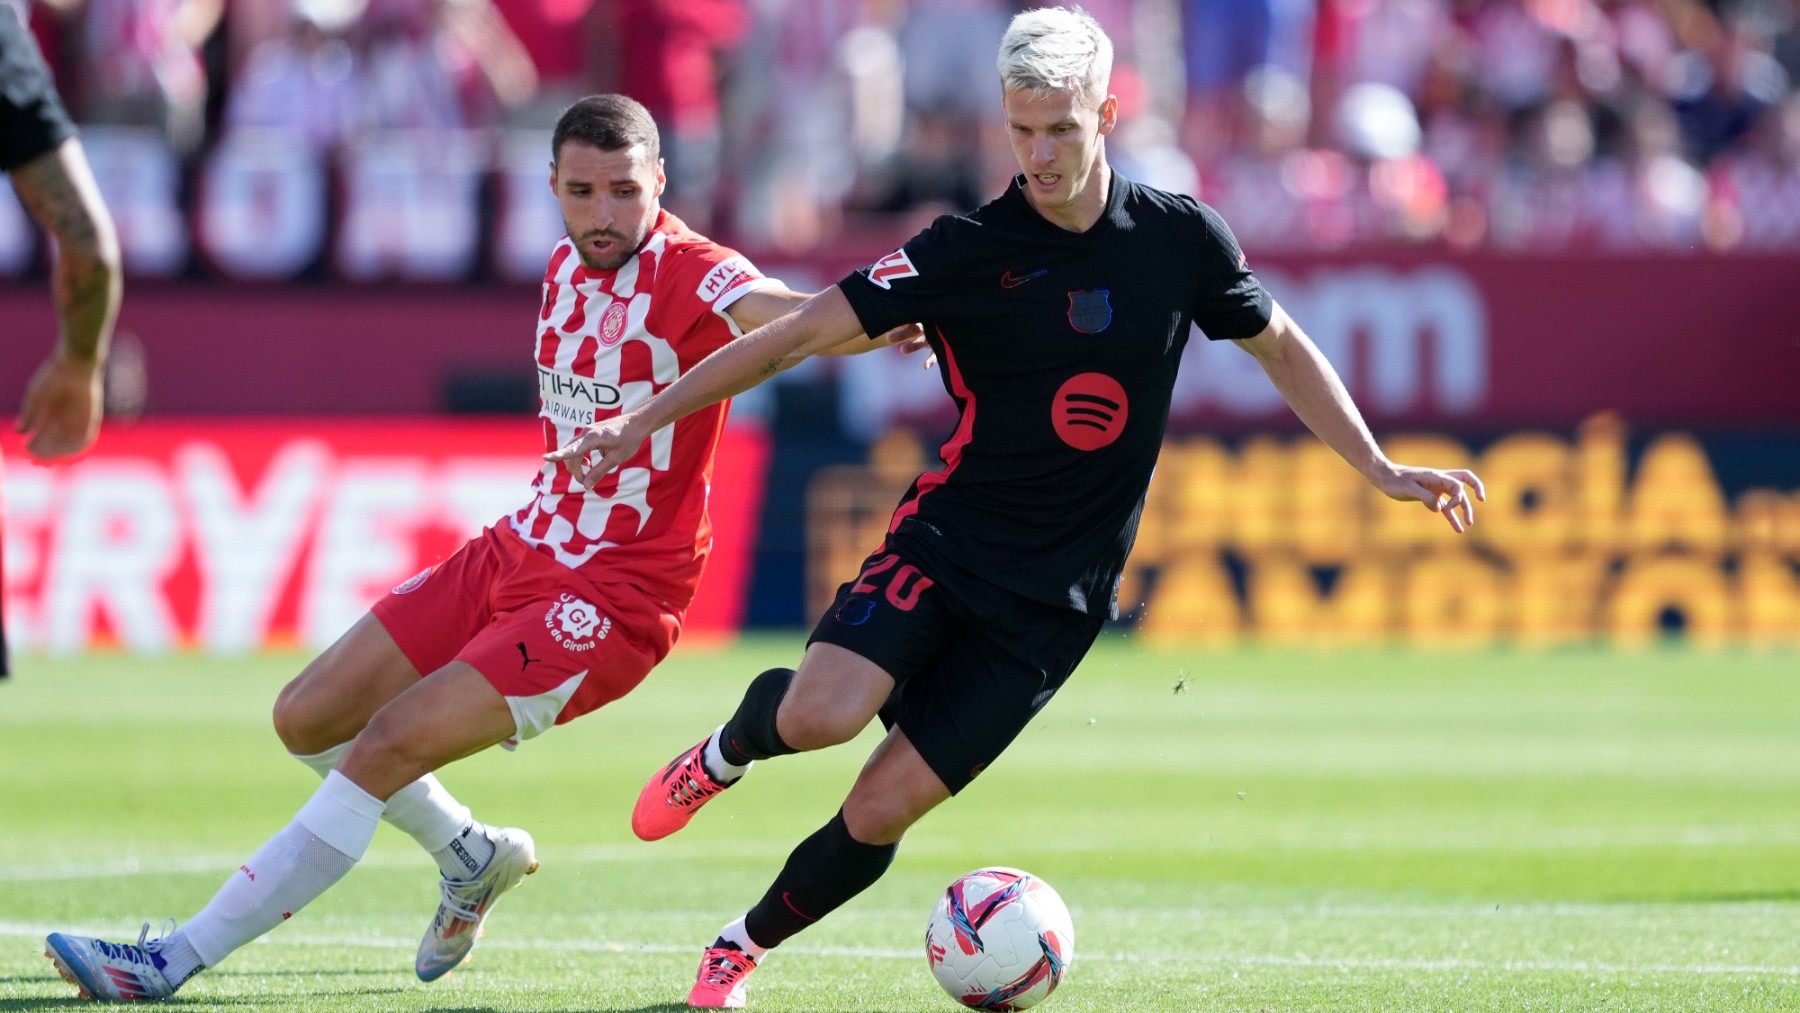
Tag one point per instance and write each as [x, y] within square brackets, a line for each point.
[1537, 125]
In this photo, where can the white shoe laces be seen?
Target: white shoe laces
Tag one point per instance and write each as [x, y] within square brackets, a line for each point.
[459, 896]
[149, 945]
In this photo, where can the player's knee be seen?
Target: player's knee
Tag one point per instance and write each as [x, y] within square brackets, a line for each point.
[878, 819]
[807, 725]
[384, 751]
[296, 723]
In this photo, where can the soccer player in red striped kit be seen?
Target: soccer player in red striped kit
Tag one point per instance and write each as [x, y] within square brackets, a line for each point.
[553, 611]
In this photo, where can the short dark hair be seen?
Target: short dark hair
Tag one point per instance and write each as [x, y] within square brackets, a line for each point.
[608, 122]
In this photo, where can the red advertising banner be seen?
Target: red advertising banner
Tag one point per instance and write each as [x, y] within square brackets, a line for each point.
[238, 535]
[1422, 340]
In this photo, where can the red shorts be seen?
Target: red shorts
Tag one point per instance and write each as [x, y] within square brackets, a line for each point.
[553, 644]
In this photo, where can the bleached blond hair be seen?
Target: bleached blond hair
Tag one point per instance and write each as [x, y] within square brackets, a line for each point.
[1055, 48]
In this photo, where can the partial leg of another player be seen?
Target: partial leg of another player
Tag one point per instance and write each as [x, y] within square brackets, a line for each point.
[840, 860]
[450, 714]
[832, 698]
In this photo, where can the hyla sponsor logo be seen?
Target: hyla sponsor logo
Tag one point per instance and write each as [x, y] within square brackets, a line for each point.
[725, 276]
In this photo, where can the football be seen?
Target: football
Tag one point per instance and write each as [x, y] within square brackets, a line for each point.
[999, 939]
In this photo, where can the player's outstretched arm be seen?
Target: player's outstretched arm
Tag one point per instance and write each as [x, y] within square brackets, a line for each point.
[821, 322]
[764, 306]
[1312, 388]
[61, 409]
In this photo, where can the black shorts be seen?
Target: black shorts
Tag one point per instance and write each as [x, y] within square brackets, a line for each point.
[972, 663]
[32, 118]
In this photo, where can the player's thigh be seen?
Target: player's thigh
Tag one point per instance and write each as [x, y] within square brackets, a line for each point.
[888, 623]
[334, 696]
[452, 713]
[416, 628]
[570, 650]
[835, 694]
[982, 692]
[895, 788]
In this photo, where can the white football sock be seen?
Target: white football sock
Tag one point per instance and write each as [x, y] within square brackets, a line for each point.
[736, 935]
[424, 809]
[180, 961]
[321, 763]
[428, 813]
[329, 834]
[715, 762]
[466, 854]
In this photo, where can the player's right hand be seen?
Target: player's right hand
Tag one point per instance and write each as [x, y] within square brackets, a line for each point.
[61, 410]
[614, 439]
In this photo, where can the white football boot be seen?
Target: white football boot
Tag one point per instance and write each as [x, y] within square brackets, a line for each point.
[115, 972]
[466, 903]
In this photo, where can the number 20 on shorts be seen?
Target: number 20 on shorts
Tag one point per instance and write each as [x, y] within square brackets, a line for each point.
[904, 585]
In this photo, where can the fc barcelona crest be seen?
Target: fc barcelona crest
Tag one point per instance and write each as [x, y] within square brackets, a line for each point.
[1089, 311]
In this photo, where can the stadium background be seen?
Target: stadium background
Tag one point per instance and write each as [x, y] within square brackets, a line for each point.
[1556, 240]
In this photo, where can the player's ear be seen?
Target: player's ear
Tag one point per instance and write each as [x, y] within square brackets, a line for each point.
[553, 175]
[1109, 114]
[662, 179]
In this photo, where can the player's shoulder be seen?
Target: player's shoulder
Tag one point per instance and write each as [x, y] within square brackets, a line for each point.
[560, 268]
[960, 236]
[1143, 200]
[688, 260]
[1177, 218]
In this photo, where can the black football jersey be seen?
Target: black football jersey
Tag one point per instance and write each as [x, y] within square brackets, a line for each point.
[1060, 349]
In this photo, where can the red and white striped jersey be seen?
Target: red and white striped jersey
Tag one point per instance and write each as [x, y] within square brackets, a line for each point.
[606, 341]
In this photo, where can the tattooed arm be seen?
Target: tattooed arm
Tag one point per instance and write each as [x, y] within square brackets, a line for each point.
[62, 405]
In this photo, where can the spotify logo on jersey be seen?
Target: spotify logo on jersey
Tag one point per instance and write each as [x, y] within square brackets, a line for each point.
[1089, 411]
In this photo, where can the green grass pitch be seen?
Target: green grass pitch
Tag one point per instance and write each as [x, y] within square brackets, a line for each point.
[1370, 831]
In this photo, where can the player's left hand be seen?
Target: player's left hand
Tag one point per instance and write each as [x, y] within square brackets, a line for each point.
[615, 440]
[910, 338]
[1444, 492]
[61, 410]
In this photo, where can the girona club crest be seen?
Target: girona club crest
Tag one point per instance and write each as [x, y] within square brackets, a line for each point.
[612, 324]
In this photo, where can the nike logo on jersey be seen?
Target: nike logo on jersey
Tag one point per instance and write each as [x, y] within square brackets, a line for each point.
[1011, 280]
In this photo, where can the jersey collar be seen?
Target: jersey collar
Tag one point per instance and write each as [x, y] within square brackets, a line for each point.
[1113, 216]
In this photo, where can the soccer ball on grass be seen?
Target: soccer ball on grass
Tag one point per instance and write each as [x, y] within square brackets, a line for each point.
[999, 939]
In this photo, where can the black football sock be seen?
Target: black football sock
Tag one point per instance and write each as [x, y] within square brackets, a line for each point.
[750, 734]
[821, 875]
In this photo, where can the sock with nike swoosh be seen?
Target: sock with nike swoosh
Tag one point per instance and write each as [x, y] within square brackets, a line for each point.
[821, 875]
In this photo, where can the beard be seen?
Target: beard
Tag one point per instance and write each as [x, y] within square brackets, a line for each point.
[623, 248]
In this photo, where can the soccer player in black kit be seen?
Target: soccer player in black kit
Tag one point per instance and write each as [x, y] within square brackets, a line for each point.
[1058, 314]
[50, 173]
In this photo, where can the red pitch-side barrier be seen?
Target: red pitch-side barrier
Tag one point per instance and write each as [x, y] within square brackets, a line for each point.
[238, 535]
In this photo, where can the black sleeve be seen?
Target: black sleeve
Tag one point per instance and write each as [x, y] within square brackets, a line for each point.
[914, 284]
[1232, 304]
[32, 118]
